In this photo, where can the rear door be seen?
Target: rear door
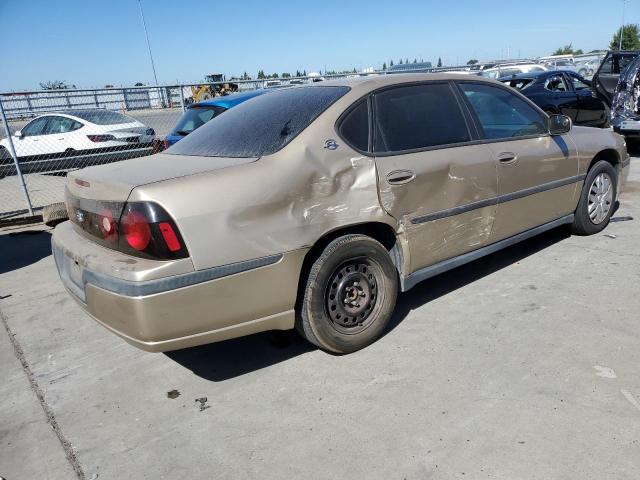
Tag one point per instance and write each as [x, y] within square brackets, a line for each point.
[537, 173]
[606, 78]
[60, 136]
[433, 178]
[562, 95]
[591, 109]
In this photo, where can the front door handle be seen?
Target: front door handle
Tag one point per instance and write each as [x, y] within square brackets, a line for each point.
[507, 157]
[400, 177]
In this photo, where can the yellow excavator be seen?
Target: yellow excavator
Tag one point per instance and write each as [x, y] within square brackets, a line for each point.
[207, 92]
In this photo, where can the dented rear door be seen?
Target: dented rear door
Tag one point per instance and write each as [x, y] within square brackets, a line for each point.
[438, 185]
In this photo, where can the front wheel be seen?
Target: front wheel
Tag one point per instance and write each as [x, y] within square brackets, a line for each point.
[349, 296]
[596, 200]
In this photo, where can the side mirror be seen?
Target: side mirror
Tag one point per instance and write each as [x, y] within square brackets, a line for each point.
[18, 134]
[559, 124]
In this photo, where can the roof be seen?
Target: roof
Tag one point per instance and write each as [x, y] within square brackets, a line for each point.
[371, 82]
[535, 74]
[409, 66]
[228, 101]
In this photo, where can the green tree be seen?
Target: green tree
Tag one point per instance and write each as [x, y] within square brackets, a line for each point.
[391, 63]
[261, 75]
[275, 75]
[439, 62]
[304, 72]
[406, 60]
[578, 52]
[400, 61]
[54, 85]
[108, 85]
[286, 75]
[473, 61]
[630, 38]
[384, 66]
[415, 60]
[566, 50]
[139, 84]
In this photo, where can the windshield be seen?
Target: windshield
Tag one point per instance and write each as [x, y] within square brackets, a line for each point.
[259, 127]
[102, 117]
[195, 117]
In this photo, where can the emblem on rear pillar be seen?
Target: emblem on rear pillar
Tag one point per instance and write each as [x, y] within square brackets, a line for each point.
[331, 144]
[80, 216]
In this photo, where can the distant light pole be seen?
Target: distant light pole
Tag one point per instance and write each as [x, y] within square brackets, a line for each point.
[146, 34]
[624, 3]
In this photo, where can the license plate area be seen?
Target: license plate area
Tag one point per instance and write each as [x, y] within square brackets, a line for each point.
[71, 273]
[630, 125]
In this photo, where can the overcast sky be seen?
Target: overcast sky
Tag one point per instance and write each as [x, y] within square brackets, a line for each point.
[92, 43]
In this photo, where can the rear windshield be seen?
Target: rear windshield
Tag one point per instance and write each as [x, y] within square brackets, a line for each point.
[102, 117]
[259, 127]
[195, 117]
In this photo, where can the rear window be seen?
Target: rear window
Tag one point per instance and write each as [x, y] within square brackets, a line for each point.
[194, 118]
[102, 117]
[259, 127]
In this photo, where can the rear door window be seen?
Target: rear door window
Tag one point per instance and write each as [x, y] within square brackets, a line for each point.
[417, 117]
[195, 117]
[556, 83]
[262, 126]
[60, 125]
[501, 113]
[354, 127]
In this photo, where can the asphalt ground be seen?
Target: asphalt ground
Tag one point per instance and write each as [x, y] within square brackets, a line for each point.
[521, 365]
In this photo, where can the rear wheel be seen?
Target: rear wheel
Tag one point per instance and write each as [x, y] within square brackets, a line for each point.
[596, 200]
[349, 296]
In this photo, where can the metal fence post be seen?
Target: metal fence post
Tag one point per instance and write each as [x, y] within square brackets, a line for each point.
[12, 151]
[184, 109]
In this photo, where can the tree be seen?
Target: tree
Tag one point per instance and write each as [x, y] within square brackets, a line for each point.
[439, 62]
[286, 75]
[473, 61]
[55, 85]
[304, 73]
[245, 76]
[108, 85]
[578, 52]
[261, 74]
[391, 63]
[275, 75]
[406, 60]
[400, 61]
[139, 84]
[630, 38]
[384, 66]
[415, 60]
[566, 50]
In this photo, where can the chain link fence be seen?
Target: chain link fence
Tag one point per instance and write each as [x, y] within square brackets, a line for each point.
[46, 134]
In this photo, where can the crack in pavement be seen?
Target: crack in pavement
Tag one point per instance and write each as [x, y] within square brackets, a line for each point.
[51, 419]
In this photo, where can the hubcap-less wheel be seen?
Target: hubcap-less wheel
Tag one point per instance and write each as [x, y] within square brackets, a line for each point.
[352, 294]
[600, 198]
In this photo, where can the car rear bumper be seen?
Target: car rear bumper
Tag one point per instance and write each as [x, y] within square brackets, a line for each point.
[180, 310]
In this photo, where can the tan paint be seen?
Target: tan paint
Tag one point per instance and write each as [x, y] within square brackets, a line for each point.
[230, 210]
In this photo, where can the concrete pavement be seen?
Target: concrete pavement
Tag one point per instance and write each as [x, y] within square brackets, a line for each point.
[522, 365]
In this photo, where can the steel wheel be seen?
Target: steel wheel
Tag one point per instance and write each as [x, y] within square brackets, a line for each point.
[352, 294]
[600, 198]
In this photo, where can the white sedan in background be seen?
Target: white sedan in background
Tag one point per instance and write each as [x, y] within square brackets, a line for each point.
[76, 132]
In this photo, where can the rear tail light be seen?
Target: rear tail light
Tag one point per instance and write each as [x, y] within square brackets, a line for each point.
[101, 138]
[165, 144]
[141, 229]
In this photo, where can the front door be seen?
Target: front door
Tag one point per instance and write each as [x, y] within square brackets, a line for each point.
[439, 187]
[32, 141]
[537, 172]
[591, 109]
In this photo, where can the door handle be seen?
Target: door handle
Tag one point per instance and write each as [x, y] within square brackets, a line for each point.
[507, 157]
[400, 177]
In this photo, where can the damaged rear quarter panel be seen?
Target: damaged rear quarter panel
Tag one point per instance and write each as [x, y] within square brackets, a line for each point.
[282, 202]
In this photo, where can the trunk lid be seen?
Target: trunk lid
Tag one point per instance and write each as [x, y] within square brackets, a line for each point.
[114, 181]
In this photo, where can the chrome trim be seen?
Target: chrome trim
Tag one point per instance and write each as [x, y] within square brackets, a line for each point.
[149, 287]
[409, 281]
[507, 197]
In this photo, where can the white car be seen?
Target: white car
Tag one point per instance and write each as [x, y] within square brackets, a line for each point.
[507, 70]
[73, 133]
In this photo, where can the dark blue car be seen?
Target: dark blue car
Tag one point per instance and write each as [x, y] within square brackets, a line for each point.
[200, 113]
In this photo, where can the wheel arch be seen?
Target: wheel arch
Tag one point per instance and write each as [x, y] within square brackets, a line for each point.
[380, 231]
[609, 155]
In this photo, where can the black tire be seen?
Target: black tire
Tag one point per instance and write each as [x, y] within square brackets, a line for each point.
[582, 223]
[54, 214]
[368, 278]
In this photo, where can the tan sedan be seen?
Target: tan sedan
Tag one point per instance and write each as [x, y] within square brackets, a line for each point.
[312, 206]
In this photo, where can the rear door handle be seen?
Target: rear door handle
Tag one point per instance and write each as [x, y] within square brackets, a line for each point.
[400, 177]
[507, 157]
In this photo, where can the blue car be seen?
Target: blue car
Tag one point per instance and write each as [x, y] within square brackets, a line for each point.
[200, 113]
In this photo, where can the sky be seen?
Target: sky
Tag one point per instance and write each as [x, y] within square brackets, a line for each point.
[92, 43]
